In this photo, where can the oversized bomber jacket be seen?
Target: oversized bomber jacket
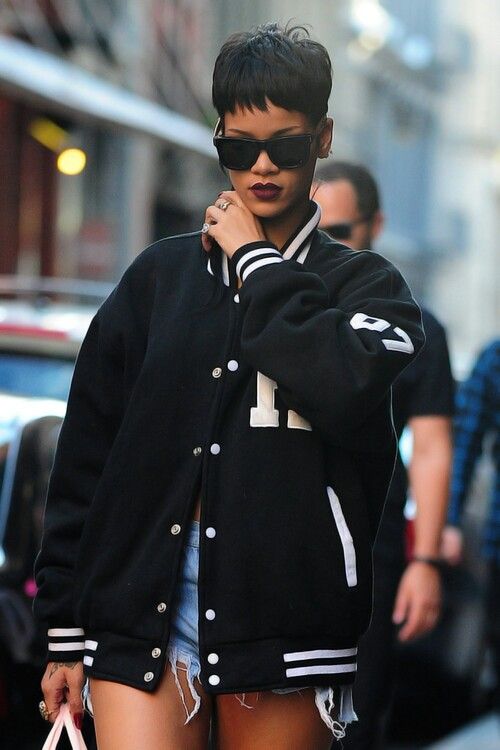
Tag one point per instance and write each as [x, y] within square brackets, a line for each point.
[274, 400]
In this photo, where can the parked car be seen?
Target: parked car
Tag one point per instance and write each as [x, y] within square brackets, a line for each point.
[42, 325]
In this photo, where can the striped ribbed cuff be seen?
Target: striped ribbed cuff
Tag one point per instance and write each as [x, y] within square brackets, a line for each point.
[65, 644]
[248, 258]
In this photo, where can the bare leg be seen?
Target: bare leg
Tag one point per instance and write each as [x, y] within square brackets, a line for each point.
[281, 722]
[126, 718]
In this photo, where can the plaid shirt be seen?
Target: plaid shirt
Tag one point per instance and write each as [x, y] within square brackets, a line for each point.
[478, 414]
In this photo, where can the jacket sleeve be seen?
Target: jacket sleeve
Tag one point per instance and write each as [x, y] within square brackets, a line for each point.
[94, 413]
[333, 343]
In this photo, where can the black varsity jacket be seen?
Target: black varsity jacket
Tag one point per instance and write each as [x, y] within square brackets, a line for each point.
[274, 399]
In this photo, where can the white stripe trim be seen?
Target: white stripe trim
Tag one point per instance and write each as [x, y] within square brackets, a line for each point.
[91, 645]
[259, 264]
[405, 345]
[304, 252]
[320, 654]
[345, 538]
[299, 239]
[71, 646]
[89, 660]
[61, 632]
[253, 254]
[323, 669]
[225, 269]
[209, 266]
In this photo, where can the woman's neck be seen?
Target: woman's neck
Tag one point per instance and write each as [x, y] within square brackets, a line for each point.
[278, 230]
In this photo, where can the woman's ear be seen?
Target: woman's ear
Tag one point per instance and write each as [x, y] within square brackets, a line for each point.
[325, 138]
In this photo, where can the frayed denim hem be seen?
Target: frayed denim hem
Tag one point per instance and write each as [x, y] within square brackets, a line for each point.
[86, 699]
[325, 704]
[324, 696]
[177, 658]
[346, 713]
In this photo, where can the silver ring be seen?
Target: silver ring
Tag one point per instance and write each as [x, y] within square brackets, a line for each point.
[205, 228]
[223, 206]
[44, 711]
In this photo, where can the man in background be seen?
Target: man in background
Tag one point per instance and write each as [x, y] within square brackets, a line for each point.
[478, 417]
[407, 592]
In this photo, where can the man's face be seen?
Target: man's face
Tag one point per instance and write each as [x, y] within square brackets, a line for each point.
[339, 205]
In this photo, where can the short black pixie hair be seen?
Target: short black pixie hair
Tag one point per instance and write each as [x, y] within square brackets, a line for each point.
[282, 64]
[362, 180]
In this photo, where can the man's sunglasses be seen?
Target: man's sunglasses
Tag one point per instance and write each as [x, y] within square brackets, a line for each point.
[287, 152]
[343, 231]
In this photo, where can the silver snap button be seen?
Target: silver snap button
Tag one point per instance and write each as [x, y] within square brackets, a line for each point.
[155, 653]
[175, 529]
[215, 449]
[232, 365]
[236, 297]
[214, 679]
[210, 532]
[197, 450]
[161, 607]
[213, 658]
[148, 676]
[210, 614]
[217, 372]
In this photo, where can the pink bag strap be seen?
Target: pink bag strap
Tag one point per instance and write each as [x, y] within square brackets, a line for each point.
[64, 720]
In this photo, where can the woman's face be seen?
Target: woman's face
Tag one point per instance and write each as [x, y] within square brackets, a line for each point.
[293, 184]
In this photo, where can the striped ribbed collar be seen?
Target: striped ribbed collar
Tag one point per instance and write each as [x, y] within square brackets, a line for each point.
[295, 248]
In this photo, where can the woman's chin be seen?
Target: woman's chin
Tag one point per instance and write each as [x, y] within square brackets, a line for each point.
[267, 209]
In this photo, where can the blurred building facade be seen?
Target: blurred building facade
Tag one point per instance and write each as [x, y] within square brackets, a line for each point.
[138, 182]
[465, 182]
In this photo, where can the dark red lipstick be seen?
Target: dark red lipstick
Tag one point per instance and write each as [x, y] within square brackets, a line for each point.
[265, 192]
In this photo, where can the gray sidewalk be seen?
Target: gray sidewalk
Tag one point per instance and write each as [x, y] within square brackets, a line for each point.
[483, 734]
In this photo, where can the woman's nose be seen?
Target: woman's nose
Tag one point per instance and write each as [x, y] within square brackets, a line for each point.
[264, 165]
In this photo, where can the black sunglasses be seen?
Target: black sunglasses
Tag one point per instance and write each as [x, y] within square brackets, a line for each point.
[287, 152]
[343, 231]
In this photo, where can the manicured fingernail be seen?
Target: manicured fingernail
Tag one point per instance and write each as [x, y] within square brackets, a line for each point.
[78, 720]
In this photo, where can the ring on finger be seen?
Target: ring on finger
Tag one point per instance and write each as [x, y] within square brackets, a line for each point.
[44, 711]
[223, 206]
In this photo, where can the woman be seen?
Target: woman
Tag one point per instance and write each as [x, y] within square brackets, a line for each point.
[228, 443]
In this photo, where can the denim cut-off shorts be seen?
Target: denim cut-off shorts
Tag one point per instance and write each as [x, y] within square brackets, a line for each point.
[182, 650]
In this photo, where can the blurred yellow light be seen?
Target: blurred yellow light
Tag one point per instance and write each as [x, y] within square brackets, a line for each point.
[48, 133]
[71, 161]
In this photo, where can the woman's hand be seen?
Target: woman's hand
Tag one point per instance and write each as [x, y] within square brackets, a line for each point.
[232, 227]
[63, 682]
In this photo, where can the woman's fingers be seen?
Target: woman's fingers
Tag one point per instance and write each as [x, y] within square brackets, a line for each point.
[64, 682]
[215, 214]
[231, 196]
[231, 224]
[206, 242]
[53, 688]
[212, 215]
[75, 680]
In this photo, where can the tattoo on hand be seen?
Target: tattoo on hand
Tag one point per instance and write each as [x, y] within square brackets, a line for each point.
[59, 664]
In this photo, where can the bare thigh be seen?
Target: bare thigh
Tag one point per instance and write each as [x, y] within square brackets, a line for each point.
[281, 722]
[126, 718]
